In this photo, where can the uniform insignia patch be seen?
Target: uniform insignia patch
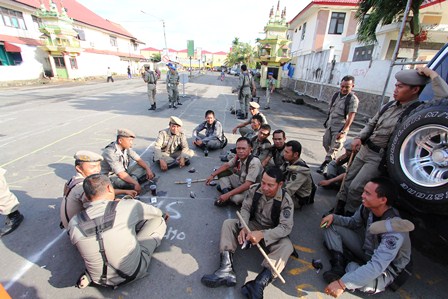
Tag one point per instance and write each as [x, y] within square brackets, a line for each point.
[293, 177]
[391, 242]
[286, 213]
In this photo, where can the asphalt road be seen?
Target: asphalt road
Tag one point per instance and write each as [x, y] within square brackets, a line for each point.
[42, 127]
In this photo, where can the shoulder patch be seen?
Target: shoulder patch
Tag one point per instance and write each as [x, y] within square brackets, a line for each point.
[294, 177]
[287, 213]
[390, 242]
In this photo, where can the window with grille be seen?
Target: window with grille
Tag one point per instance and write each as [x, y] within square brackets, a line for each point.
[59, 62]
[12, 18]
[337, 23]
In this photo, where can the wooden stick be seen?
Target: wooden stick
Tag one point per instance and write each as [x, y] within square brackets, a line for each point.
[352, 155]
[193, 181]
[261, 250]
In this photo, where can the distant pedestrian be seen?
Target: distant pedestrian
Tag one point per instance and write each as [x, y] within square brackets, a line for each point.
[129, 72]
[150, 79]
[109, 75]
[270, 87]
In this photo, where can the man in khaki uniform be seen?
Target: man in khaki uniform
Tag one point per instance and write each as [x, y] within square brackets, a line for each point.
[128, 240]
[270, 87]
[237, 175]
[172, 84]
[117, 157]
[246, 88]
[150, 79]
[342, 112]
[268, 211]
[73, 199]
[261, 145]
[171, 148]
[254, 110]
[298, 181]
[275, 155]
[373, 139]
[9, 206]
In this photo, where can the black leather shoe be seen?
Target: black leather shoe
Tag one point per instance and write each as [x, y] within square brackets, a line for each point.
[13, 221]
[322, 168]
[254, 289]
[179, 103]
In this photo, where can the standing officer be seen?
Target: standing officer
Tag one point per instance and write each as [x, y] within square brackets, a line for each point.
[116, 239]
[117, 157]
[298, 180]
[342, 111]
[73, 199]
[254, 110]
[384, 256]
[238, 174]
[151, 79]
[171, 148]
[246, 88]
[373, 139]
[276, 152]
[9, 206]
[172, 83]
[268, 211]
[214, 135]
[270, 87]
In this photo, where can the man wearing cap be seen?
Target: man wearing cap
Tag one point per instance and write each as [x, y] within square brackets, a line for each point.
[246, 87]
[373, 139]
[117, 157]
[73, 199]
[9, 206]
[270, 87]
[254, 110]
[341, 113]
[150, 79]
[172, 83]
[171, 148]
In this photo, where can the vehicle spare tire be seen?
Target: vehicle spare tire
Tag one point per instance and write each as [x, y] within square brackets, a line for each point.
[417, 156]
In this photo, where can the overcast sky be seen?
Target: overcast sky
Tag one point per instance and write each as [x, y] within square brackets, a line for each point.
[211, 24]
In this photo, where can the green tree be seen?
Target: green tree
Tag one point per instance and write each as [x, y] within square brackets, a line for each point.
[372, 13]
[240, 53]
[156, 57]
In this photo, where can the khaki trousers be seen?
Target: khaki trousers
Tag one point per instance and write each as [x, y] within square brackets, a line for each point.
[279, 252]
[8, 201]
[232, 182]
[331, 144]
[152, 93]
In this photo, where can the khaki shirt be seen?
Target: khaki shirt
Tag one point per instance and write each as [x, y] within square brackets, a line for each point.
[172, 80]
[277, 156]
[150, 77]
[270, 83]
[74, 202]
[120, 242]
[239, 168]
[337, 111]
[168, 143]
[263, 214]
[298, 181]
[115, 160]
[245, 82]
[260, 149]
[380, 128]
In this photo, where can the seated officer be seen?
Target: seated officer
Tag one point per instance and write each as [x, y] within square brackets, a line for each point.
[86, 163]
[385, 256]
[275, 155]
[237, 175]
[268, 228]
[214, 135]
[254, 110]
[260, 143]
[117, 157]
[255, 125]
[171, 148]
[130, 232]
[298, 180]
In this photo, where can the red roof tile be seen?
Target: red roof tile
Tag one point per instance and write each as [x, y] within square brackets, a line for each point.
[20, 40]
[183, 51]
[114, 53]
[326, 2]
[82, 14]
[220, 53]
[151, 49]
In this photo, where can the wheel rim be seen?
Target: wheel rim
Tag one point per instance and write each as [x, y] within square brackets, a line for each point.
[424, 156]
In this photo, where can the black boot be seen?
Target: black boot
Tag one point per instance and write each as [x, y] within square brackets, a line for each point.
[323, 167]
[254, 289]
[337, 270]
[340, 208]
[224, 275]
[13, 221]
[153, 107]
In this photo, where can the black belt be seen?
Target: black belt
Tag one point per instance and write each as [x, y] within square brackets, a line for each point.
[373, 146]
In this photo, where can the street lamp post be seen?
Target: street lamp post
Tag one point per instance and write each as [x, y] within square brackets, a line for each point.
[163, 24]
